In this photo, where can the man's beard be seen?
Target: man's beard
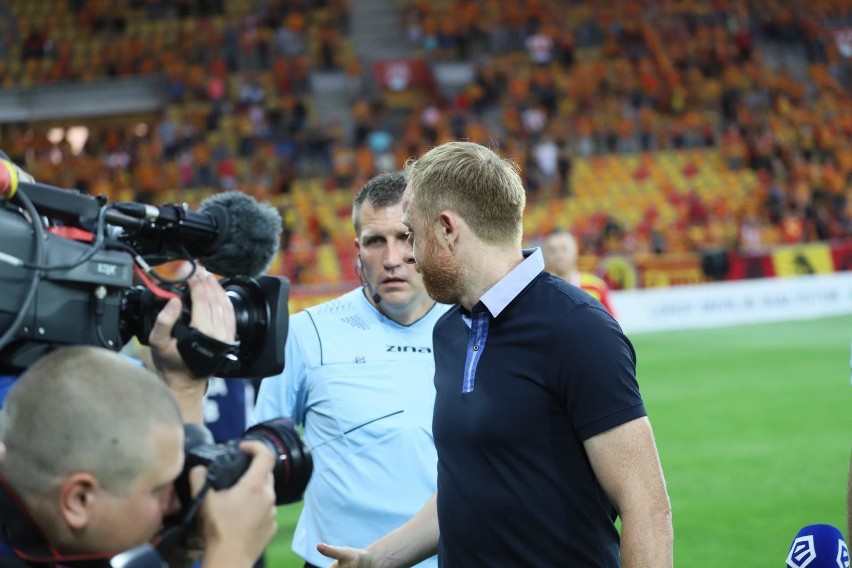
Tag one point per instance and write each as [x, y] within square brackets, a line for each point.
[441, 278]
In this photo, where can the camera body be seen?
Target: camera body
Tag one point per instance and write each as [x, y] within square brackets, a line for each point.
[82, 304]
[226, 463]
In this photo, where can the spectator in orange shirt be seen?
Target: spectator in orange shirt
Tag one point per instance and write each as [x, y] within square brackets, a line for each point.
[560, 258]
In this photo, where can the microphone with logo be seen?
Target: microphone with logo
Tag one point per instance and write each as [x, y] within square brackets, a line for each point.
[10, 176]
[818, 546]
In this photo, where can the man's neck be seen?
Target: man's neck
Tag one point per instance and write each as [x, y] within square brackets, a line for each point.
[486, 267]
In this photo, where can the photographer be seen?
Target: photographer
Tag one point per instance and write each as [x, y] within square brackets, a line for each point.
[94, 443]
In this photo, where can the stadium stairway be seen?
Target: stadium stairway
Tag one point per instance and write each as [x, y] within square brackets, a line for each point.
[376, 32]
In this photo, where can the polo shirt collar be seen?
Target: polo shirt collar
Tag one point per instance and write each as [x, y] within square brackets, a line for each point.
[507, 288]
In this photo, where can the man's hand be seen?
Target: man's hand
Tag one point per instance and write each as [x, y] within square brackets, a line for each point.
[213, 315]
[237, 523]
[413, 542]
[347, 557]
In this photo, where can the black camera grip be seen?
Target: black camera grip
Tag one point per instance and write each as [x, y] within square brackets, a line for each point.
[228, 467]
[204, 355]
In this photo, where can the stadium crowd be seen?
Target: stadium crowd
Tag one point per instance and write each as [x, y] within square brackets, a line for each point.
[654, 126]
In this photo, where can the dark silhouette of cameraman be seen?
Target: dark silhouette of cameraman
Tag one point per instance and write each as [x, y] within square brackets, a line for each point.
[93, 444]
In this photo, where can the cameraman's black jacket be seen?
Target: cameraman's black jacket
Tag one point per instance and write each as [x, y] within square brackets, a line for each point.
[22, 544]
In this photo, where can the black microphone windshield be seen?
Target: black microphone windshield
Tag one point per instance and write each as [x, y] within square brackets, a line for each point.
[248, 235]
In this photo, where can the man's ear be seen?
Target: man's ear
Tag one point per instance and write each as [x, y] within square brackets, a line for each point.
[450, 225]
[77, 499]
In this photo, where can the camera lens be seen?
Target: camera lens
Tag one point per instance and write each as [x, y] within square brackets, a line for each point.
[250, 309]
[294, 465]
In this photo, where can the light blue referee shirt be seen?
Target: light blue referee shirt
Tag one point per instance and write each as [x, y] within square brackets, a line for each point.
[362, 387]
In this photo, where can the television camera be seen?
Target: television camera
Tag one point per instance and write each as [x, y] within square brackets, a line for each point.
[75, 269]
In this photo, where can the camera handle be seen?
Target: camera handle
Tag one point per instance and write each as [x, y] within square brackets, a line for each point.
[204, 355]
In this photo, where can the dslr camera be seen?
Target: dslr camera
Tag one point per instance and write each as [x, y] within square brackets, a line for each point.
[226, 463]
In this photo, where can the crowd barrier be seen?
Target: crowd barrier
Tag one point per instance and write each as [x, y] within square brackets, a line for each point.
[731, 303]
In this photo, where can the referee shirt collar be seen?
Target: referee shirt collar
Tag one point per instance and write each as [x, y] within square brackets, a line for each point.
[507, 288]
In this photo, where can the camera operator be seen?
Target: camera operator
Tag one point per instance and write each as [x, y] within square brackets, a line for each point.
[94, 443]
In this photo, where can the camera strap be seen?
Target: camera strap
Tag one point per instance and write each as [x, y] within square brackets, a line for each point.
[204, 355]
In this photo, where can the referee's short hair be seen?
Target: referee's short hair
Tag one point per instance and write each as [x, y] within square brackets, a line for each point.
[381, 191]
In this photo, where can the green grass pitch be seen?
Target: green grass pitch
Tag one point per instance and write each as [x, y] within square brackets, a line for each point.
[754, 429]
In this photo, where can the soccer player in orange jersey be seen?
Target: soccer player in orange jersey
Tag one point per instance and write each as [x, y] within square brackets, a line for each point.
[560, 258]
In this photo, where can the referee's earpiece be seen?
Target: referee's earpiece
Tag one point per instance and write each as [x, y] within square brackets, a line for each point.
[362, 275]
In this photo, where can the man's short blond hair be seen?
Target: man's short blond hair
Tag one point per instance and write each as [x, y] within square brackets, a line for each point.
[474, 182]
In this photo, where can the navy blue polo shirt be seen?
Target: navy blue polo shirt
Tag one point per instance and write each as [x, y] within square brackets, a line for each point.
[535, 369]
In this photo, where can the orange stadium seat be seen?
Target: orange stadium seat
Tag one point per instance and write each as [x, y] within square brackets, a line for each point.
[669, 160]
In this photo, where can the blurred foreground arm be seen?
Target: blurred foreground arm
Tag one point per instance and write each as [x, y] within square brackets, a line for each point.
[628, 468]
[213, 315]
[411, 543]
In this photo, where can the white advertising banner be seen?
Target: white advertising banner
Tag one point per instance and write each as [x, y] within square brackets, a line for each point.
[731, 303]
